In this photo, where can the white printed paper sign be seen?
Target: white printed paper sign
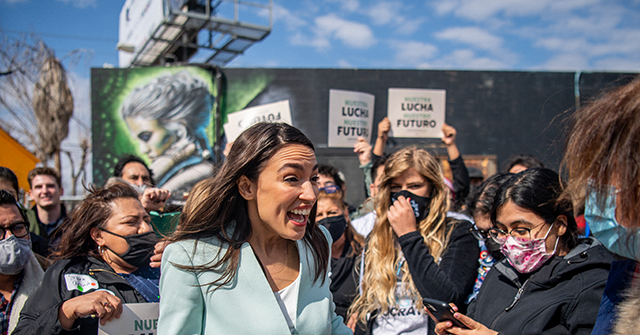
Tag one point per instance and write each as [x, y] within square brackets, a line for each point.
[416, 112]
[136, 319]
[241, 120]
[350, 117]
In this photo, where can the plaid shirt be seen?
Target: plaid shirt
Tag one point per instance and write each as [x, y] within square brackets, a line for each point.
[5, 307]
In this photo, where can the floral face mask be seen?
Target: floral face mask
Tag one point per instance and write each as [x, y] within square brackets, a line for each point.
[527, 256]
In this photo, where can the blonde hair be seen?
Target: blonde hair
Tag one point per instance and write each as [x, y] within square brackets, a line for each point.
[382, 251]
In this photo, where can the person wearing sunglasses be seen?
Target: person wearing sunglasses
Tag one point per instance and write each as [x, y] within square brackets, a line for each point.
[20, 272]
[550, 282]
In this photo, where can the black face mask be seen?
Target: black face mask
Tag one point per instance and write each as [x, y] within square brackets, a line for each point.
[494, 249]
[140, 250]
[420, 205]
[335, 224]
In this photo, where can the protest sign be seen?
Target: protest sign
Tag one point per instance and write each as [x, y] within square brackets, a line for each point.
[241, 120]
[416, 112]
[350, 117]
[136, 319]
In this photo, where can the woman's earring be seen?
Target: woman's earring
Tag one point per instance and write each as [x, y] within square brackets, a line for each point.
[100, 249]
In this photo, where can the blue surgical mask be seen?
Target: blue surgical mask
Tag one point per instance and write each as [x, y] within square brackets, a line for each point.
[604, 226]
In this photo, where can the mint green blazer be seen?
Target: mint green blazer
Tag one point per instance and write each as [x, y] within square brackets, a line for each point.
[247, 305]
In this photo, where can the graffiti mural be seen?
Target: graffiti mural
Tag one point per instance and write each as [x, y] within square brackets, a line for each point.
[164, 115]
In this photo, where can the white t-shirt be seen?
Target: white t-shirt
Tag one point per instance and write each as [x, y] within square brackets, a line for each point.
[288, 300]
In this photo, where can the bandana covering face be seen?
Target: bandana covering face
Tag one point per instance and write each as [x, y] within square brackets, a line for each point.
[420, 205]
[529, 256]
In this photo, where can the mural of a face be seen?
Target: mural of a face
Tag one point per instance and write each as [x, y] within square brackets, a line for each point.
[154, 139]
[168, 117]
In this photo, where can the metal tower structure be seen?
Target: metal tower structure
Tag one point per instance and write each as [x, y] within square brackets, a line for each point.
[176, 31]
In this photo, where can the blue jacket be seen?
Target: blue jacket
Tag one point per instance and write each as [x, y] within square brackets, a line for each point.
[247, 305]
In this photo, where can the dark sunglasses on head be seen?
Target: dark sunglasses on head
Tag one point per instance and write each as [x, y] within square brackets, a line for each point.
[330, 189]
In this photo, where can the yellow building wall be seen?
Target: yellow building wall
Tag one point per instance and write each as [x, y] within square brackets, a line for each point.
[15, 157]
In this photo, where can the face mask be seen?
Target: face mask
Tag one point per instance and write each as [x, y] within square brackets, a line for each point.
[419, 204]
[335, 224]
[140, 250]
[529, 257]
[494, 249]
[605, 227]
[14, 254]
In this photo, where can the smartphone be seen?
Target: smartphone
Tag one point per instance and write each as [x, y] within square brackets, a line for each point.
[440, 311]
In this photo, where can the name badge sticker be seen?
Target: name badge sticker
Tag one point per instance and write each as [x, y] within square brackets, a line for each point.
[82, 283]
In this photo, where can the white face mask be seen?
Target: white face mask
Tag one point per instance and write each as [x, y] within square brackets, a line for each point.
[14, 254]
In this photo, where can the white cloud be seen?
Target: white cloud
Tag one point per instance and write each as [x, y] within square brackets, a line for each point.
[473, 36]
[483, 10]
[351, 34]
[384, 12]
[15, 1]
[618, 64]
[344, 64]
[389, 13]
[81, 3]
[465, 59]
[281, 14]
[413, 53]
[348, 5]
[566, 62]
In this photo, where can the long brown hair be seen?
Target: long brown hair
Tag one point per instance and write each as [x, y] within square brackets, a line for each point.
[216, 208]
[602, 149]
[93, 211]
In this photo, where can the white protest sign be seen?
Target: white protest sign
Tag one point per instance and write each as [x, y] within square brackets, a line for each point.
[136, 319]
[416, 112]
[237, 122]
[350, 117]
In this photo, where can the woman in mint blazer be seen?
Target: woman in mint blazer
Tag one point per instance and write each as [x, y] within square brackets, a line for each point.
[248, 257]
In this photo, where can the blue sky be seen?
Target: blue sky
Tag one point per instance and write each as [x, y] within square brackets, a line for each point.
[520, 35]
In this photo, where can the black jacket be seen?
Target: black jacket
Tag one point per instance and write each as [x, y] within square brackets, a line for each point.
[451, 279]
[40, 313]
[344, 280]
[562, 297]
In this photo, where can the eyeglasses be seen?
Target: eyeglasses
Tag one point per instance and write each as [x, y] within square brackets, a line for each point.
[521, 235]
[479, 234]
[330, 189]
[19, 229]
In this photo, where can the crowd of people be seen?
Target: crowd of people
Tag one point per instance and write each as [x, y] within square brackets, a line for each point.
[267, 244]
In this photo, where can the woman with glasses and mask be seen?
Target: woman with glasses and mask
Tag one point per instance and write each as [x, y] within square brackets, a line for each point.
[414, 251]
[102, 263]
[346, 247]
[550, 282]
[479, 206]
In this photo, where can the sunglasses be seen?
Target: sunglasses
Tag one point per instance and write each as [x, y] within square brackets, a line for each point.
[330, 189]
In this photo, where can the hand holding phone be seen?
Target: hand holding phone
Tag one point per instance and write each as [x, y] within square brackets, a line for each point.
[440, 311]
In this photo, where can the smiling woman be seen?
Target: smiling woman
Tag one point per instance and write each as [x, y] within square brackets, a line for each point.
[248, 238]
[103, 262]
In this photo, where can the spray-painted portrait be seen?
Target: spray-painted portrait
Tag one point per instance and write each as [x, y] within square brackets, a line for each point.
[168, 118]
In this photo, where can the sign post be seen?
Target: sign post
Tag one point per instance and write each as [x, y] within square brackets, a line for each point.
[136, 319]
[416, 112]
[237, 122]
[350, 117]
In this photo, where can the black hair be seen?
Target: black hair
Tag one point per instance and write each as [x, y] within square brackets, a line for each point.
[376, 164]
[117, 170]
[538, 190]
[528, 161]
[331, 171]
[481, 200]
[8, 175]
[7, 198]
